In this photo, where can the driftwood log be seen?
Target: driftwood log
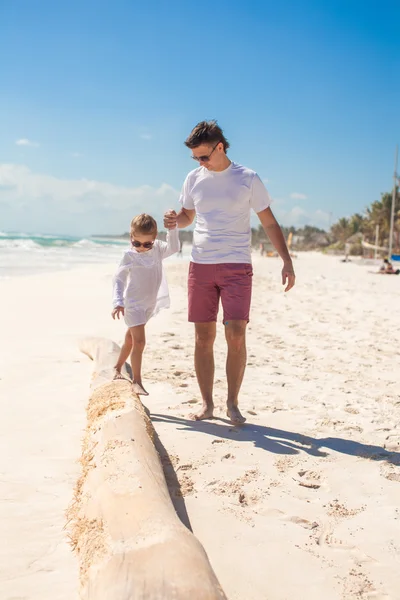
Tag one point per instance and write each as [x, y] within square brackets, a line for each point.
[131, 545]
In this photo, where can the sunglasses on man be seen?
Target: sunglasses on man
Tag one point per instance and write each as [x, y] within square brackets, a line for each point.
[146, 245]
[205, 158]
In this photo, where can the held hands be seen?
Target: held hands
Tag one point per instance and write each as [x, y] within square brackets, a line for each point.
[288, 276]
[117, 311]
[170, 219]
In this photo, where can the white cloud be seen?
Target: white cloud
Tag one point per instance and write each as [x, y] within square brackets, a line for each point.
[26, 142]
[76, 155]
[298, 217]
[34, 201]
[146, 136]
[278, 202]
[298, 196]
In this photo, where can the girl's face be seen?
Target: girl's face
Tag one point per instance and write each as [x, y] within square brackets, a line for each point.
[142, 242]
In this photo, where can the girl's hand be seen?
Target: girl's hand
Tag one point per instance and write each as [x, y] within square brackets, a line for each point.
[288, 276]
[117, 311]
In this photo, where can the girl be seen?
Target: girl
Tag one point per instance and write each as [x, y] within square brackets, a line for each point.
[140, 289]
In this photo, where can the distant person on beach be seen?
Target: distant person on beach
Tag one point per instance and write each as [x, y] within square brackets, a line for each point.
[140, 289]
[221, 194]
[387, 268]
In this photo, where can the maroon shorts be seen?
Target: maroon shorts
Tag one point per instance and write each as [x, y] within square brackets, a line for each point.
[208, 283]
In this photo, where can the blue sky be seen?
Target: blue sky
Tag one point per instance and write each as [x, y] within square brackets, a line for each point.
[97, 98]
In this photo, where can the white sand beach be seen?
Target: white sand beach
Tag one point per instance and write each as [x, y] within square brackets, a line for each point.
[301, 502]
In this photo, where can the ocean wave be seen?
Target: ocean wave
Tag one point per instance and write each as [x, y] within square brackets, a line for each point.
[85, 244]
[39, 241]
[23, 243]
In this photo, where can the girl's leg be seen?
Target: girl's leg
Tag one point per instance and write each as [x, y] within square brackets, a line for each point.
[123, 355]
[138, 344]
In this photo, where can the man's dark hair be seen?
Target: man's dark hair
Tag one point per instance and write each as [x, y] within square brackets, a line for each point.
[206, 132]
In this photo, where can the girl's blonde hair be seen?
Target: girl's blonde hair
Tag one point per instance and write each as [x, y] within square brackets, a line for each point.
[143, 224]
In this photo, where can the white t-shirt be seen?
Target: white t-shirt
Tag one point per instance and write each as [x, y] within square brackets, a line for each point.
[222, 201]
[140, 284]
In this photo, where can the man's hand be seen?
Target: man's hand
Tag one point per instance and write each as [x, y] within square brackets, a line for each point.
[117, 311]
[170, 219]
[288, 276]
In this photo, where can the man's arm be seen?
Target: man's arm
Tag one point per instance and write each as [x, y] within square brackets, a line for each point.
[274, 232]
[183, 219]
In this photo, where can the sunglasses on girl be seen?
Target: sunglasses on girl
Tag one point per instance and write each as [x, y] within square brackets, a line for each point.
[146, 245]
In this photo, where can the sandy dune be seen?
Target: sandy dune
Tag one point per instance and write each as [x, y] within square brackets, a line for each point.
[303, 501]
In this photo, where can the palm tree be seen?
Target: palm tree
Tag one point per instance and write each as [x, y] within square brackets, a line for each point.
[341, 230]
[379, 214]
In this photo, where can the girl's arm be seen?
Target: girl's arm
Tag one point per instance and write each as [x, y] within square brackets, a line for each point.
[120, 279]
[172, 245]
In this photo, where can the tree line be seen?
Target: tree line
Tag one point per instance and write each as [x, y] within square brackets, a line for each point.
[354, 228]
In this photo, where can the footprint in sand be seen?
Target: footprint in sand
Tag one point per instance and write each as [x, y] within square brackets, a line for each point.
[339, 510]
[326, 538]
[357, 585]
[279, 514]
[305, 523]
[284, 463]
[390, 472]
[309, 479]
[351, 410]
[227, 456]
[235, 488]
[392, 442]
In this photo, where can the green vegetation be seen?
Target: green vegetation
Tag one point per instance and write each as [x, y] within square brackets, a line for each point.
[346, 230]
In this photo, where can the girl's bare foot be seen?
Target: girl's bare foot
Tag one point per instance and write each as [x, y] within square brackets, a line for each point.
[235, 415]
[118, 375]
[207, 412]
[138, 389]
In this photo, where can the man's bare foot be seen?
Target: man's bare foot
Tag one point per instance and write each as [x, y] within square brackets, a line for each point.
[235, 415]
[207, 412]
[138, 389]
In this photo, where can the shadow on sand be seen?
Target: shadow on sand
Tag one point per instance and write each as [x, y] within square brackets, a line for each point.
[279, 441]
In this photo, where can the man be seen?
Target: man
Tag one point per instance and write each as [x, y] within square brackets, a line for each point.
[221, 193]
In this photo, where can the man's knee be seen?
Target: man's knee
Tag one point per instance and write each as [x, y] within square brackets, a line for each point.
[235, 333]
[205, 335]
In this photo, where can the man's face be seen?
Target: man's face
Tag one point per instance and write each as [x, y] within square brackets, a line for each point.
[209, 155]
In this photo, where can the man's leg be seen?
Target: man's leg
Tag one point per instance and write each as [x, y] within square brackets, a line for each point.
[123, 355]
[203, 303]
[204, 365]
[235, 283]
[138, 345]
[235, 333]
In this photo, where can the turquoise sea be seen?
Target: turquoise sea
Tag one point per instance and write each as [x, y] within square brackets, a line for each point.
[26, 253]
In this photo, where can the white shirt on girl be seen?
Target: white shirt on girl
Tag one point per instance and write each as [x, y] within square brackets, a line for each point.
[140, 285]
